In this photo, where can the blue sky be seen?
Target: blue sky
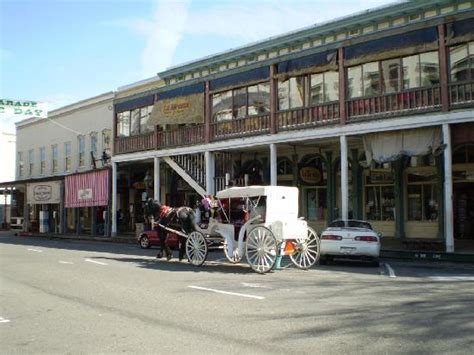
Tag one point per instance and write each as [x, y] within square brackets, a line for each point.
[62, 51]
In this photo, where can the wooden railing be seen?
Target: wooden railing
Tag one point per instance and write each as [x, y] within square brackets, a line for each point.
[406, 102]
[240, 127]
[194, 165]
[461, 94]
[135, 143]
[179, 137]
[306, 117]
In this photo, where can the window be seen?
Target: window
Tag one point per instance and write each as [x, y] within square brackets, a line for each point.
[324, 87]
[422, 196]
[21, 167]
[42, 160]
[107, 141]
[222, 106]
[145, 123]
[54, 154]
[258, 99]
[391, 75]
[67, 156]
[81, 140]
[135, 122]
[462, 62]
[93, 151]
[316, 203]
[31, 161]
[291, 93]
[354, 82]
[123, 124]
[371, 78]
[420, 70]
[379, 195]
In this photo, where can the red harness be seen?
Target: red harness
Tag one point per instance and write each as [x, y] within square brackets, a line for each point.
[164, 210]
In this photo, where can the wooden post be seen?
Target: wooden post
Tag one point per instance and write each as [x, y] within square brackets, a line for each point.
[342, 86]
[443, 69]
[207, 113]
[273, 99]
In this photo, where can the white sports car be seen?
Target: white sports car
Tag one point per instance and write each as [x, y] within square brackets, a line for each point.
[351, 239]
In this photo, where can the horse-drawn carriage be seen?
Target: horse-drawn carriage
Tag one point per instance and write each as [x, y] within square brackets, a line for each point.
[260, 222]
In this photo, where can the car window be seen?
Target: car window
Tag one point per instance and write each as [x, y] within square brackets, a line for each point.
[337, 224]
[359, 224]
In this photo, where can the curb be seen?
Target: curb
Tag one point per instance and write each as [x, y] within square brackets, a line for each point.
[427, 256]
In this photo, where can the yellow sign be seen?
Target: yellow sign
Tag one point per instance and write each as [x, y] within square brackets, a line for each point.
[179, 110]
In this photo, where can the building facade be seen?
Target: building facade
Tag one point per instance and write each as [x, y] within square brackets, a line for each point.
[62, 168]
[371, 116]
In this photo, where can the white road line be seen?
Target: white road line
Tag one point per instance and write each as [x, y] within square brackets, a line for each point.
[254, 285]
[95, 262]
[3, 320]
[36, 250]
[65, 262]
[227, 293]
[451, 278]
[391, 273]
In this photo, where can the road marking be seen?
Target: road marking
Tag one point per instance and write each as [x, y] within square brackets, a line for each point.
[451, 278]
[227, 293]
[254, 285]
[36, 250]
[3, 320]
[96, 262]
[391, 273]
[65, 262]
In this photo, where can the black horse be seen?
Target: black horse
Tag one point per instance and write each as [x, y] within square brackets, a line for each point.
[180, 218]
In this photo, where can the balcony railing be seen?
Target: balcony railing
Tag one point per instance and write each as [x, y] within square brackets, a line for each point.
[306, 117]
[240, 127]
[130, 144]
[461, 94]
[400, 103]
[179, 137]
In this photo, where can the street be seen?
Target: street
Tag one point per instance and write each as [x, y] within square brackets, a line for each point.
[65, 296]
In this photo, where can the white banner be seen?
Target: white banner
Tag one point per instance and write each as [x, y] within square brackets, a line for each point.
[23, 108]
[43, 192]
[84, 194]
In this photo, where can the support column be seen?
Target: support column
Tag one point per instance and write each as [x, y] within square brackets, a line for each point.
[273, 164]
[156, 179]
[448, 190]
[210, 171]
[443, 69]
[114, 199]
[356, 185]
[344, 179]
[62, 210]
[399, 167]
[94, 221]
[330, 187]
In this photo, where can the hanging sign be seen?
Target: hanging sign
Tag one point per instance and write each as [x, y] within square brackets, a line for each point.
[43, 192]
[23, 108]
[310, 175]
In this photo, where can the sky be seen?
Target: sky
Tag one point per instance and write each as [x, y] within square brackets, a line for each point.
[63, 51]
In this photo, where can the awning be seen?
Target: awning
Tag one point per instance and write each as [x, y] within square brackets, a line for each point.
[87, 189]
[389, 146]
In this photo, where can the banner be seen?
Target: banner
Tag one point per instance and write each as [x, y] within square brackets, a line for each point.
[179, 110]
[23, 108]
[43, 192]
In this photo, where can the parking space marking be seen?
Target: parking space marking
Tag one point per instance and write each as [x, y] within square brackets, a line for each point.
[35, 250]
[391, 272]
[66, 262]
[227, 292]
[3, 320]
[95, 262]
[254, 285]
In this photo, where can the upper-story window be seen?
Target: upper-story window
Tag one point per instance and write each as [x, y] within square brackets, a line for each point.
[324, 87]
[21, 168]
[42, 160]
[291, 93]
[93, 152]
[241, 102]
[81, 142]
[31, 161]
[134, 122]
[67, 156]
[55, 157]
[393, 75]
[462, 62]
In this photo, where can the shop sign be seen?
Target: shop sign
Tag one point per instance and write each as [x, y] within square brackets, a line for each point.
[179, 110]
[84, 194]
[43, 192]
[310, 175]
[23, 108]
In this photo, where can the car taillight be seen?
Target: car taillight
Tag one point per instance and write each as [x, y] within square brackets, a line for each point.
[331, 237]
[366, 238]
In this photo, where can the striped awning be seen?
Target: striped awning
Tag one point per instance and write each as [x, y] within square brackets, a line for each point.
[87, 189]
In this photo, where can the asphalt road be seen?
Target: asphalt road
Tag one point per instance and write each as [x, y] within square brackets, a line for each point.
[63, 296]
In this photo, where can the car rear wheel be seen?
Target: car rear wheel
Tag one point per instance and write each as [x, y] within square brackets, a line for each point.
[144, 242]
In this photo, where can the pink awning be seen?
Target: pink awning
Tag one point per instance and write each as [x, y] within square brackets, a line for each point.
[87, 190]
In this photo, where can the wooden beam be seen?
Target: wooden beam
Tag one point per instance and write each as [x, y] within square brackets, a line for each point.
[342, 86]
[443, 69]
[273, 99]
[207, 114]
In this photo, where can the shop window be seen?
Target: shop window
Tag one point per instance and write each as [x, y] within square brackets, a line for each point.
[82, 150]
[324, 87]
[464, 155]
[462, 62]
[31, 161]
[42, 160]
[422, 197]
[21, 167]
[316, 203]
[55, 157]
[379, 195]
[291, 93]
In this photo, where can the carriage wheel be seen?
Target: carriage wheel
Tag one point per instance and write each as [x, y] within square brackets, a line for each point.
[307, 251]
[196, 248]
[261, 249]
[234, 258]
